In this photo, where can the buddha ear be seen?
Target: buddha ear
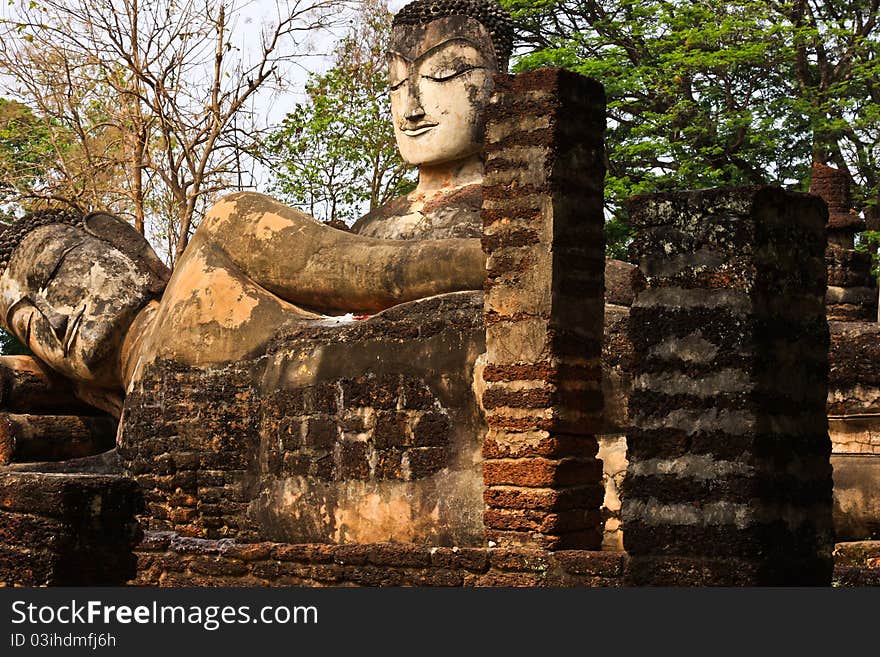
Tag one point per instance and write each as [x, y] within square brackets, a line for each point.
[123, 236]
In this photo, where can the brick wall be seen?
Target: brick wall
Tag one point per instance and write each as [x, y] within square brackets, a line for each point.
[342, 432]
[166, 559]
[542, 233]
[67, 529]
[190, 440]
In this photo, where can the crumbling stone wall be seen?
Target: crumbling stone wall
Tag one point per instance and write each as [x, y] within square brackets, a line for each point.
[357, 431]
[67, 529]
[729, 479]
[189, 440]
[166, 559]
[852, 289]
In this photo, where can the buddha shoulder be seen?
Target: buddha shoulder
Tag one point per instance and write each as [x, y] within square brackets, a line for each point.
[450, 213]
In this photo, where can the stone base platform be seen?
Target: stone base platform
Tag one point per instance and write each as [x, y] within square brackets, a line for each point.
[167, 559]
[857, 564]
[67, 529]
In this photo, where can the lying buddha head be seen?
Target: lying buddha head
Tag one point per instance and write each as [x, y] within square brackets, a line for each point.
[70, 287]
[442, 57]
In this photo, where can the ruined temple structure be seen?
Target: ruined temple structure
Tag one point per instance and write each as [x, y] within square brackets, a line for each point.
[854, 381]
[453, 440]
[852, 289]
[509, 408]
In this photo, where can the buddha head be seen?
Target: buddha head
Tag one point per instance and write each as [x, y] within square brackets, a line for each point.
[442, 56]
[70, 287]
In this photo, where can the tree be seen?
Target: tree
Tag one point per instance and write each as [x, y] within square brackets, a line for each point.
[836, 55]
[714, 93]
[26, 151]
[147, 101]
[335, 153]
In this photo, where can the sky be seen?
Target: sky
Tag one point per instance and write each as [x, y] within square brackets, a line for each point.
[273, 107]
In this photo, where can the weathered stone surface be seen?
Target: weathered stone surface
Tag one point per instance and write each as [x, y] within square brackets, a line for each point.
[69, 529]
[71, 290]
[728, 480]
[861, 296]
[848, 312]
[542, 218]
[854, 375]
[54, 437]
[620, 281]
[344, 432]
[833, 186]
[28, 386]
[857, 564]
[164, 562]
[849, 268]
[616, 369]
[856, 496]
[855, 434]
[455, 213]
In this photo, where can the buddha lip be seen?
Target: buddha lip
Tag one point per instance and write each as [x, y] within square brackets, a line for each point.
[419, 130]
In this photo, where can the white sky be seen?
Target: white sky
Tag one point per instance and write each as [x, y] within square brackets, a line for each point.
[273, 107]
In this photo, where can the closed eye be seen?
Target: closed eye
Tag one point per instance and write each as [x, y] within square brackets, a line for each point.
[396, 85]
[60, 262]
[443, 76]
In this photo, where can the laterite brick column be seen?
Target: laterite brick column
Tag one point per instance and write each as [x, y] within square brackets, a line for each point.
[542, 233]
[729, 480]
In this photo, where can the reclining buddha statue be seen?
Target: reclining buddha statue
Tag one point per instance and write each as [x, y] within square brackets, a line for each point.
[250, 409]
[90, 298]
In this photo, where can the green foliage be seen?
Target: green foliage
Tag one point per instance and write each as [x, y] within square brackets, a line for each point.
[335, 155]
[26, 150]
[869, 241]
[711, 93]
[9, 346]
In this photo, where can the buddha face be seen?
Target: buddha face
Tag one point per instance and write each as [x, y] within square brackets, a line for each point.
[71, 297]
[441, 80]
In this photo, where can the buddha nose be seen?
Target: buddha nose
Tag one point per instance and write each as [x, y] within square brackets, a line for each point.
[413, 110]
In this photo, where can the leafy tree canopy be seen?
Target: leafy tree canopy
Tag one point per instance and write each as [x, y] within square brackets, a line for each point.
[713, 93]
[9, 346]
[334, 155]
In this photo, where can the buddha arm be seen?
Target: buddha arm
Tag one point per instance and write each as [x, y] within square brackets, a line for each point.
[310, 264]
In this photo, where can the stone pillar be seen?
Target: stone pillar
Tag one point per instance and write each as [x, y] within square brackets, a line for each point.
[729, 481]
[542, 233]
[852, 290]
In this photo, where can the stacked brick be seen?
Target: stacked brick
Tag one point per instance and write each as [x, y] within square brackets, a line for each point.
[67, 529]
[542, 233]
[854, 387]
[166, 559]
[209, 446]
[852, 289]
[190, 441]
[729, 481]
[370, 427]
